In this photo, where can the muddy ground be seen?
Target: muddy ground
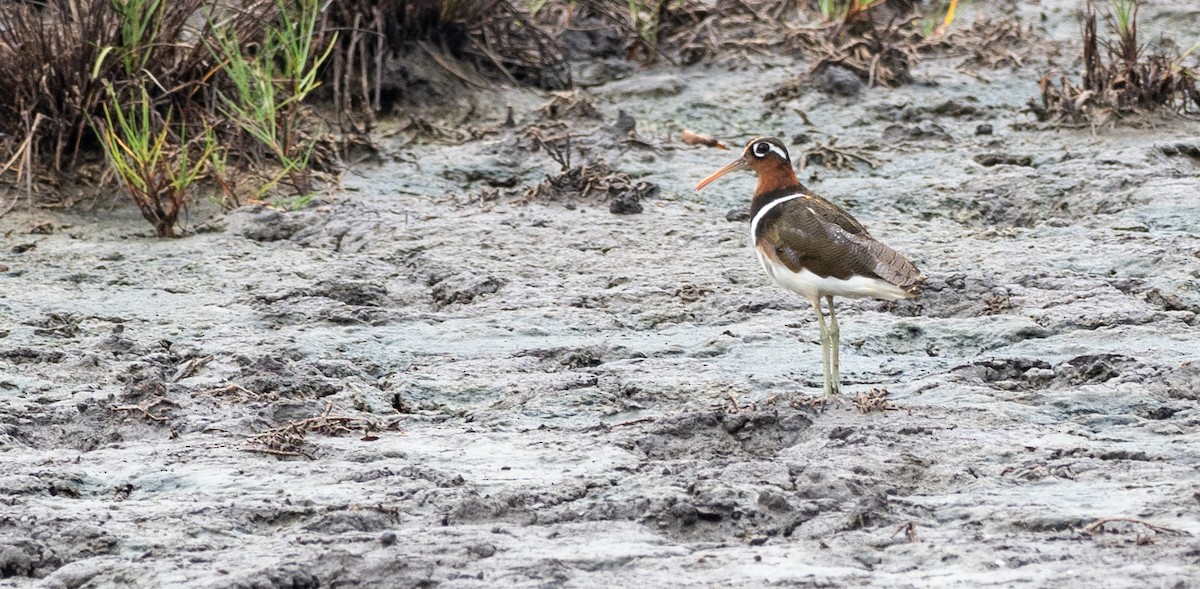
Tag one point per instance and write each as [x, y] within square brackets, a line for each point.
[512, 390]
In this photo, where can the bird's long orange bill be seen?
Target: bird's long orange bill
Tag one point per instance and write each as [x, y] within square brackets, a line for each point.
[738, 164]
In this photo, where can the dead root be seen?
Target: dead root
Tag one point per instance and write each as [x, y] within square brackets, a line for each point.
[290, 439]
[830, 155]
[810, 403]
[988, 43]
[594, 181]
[732, 406]
[1097, 526]
[874, 400]
[144, 409]
[909, 530]
[878, 55]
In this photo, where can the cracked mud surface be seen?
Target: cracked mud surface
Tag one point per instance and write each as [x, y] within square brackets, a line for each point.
[542, 393]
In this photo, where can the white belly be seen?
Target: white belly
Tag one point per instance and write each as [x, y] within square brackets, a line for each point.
[813, 287]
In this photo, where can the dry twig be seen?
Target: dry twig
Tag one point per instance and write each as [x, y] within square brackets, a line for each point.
[145, 408]
[1098, 526]
[910, 531]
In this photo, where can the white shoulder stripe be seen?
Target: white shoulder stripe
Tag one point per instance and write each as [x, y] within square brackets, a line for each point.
[763, 212]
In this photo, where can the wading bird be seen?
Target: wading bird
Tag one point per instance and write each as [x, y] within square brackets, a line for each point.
[815, 249]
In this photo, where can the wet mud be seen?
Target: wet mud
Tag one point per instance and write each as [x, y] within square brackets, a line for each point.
[476, 365]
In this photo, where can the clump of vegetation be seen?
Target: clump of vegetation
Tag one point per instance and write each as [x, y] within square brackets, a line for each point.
[1121, 75]
[374, 63]
[271, 79]
[187, 95]
[154, 163]
[59, 57]
[877, 40]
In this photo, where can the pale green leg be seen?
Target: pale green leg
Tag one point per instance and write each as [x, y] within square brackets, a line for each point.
[835, 343]
[825, 348]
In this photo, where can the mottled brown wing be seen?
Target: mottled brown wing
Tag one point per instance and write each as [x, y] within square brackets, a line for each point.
[814, 234]
[831, 213]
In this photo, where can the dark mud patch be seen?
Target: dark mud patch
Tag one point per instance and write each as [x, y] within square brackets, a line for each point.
[924, 131]
[39, 554]
[314, 228]
[578, 358]
[283, 375]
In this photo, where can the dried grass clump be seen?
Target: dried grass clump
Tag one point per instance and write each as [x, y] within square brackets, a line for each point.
[878, 41]
[373, 66]
[167, 93]
[1121, 76]
[57, 58]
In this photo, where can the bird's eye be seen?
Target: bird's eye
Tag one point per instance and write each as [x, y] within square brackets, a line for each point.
[761, 148]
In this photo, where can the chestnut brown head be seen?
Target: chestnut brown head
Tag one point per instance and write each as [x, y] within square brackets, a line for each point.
[768, 157]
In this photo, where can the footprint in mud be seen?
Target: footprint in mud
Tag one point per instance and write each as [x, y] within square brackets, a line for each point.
[1086, 369]
[708, 434]
[956, 295]
[335, 301]
[277, 376]
[461, 288]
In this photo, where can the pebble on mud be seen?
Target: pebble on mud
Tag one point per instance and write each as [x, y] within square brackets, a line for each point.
[839, 80]
[625, 204]
[387, 538]
[737, 215]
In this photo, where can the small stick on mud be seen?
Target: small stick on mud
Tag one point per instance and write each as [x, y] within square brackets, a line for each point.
[145, 408]
[910, 531]
[692, 138]
[733, 407]
[1098, 526]
[191, 366]
[230, 389]
[627, 422]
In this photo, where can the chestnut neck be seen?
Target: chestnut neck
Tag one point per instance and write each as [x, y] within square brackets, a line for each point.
[776, 180]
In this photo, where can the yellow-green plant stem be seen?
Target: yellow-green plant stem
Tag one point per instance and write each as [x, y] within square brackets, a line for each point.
[156, 171]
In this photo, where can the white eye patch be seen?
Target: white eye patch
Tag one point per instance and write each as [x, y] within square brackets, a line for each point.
[762, 148]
